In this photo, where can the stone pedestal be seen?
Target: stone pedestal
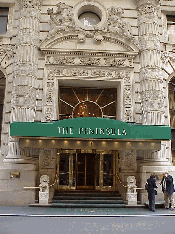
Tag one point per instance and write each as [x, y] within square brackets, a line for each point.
[132, 199]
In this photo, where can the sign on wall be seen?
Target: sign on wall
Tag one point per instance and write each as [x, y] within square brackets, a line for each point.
[97, 128]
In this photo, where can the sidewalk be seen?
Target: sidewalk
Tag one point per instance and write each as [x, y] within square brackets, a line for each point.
[77, 212]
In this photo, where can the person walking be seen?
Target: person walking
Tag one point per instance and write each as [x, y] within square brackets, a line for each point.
[151, 185]
[168, 190]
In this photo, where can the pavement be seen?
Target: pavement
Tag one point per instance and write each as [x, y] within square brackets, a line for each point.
[133, 220]
[82, 212]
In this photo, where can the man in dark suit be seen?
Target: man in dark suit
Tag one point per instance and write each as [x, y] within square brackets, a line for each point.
[168, 190]
[151, 192]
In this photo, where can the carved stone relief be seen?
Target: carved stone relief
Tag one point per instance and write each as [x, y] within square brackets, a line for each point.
[128, 160]
[86, 73]
[65, 20]
[163, 155]
[25, 73]
[28, 4]
[47, 159]
[85, 61]
[6, 51]
[112, 28]
[23, 104]
[152, 92]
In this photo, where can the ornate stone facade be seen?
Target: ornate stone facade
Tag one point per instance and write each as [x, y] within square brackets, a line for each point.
[64, 21]
[47, 47]
[25, 74]
[89, 71]
[25, 70]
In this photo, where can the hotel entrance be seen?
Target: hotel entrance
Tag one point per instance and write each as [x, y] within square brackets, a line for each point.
[86, 170]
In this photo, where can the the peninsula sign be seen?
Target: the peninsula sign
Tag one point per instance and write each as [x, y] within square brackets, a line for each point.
[90, 128]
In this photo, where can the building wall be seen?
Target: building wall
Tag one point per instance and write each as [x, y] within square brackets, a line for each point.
[24, 51]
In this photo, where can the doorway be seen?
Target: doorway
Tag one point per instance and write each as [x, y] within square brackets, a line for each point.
[85, 171]
[79, 170]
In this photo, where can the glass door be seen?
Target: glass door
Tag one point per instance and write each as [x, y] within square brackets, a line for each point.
[108, 170]
[85, 171]
[64, 170]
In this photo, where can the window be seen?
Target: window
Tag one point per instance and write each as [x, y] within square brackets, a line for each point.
[171, 27]
[87, 102]
[89, 19]
[3, 19]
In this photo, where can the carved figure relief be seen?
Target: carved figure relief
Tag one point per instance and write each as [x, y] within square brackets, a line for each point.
[116, 23]
[46, 159]
[128, 160]
[65, 25]
[89, 61]
[64, 20]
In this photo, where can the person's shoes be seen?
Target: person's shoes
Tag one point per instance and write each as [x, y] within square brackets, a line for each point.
[166, 208]
[172, 208]
[153, 210]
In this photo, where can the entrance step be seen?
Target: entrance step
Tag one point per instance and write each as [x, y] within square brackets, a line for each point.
[90, 201]
[87, 199]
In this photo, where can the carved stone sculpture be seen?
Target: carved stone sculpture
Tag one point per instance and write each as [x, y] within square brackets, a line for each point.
[44, 190]
[131, 191]
[63, 21]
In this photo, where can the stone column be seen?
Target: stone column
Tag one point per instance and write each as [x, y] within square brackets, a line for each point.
[151, 90]
[25, 74]
[151, 77]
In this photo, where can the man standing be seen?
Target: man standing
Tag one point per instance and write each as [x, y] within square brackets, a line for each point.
[151, 192]
[168, 189]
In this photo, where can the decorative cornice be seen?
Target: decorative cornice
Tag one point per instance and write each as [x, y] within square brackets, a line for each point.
[49, 43]
[100, 54]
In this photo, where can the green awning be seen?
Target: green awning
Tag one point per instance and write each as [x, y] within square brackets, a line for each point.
[94, 128]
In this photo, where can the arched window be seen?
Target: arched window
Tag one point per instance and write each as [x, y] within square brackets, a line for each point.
[89, 19]
[2, 94]
[87, 102]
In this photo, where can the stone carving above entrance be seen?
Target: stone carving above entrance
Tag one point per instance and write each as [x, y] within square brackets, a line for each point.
[64, 19]
[66, 25]
[90, 61]
[76, 49]
[55, 73]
